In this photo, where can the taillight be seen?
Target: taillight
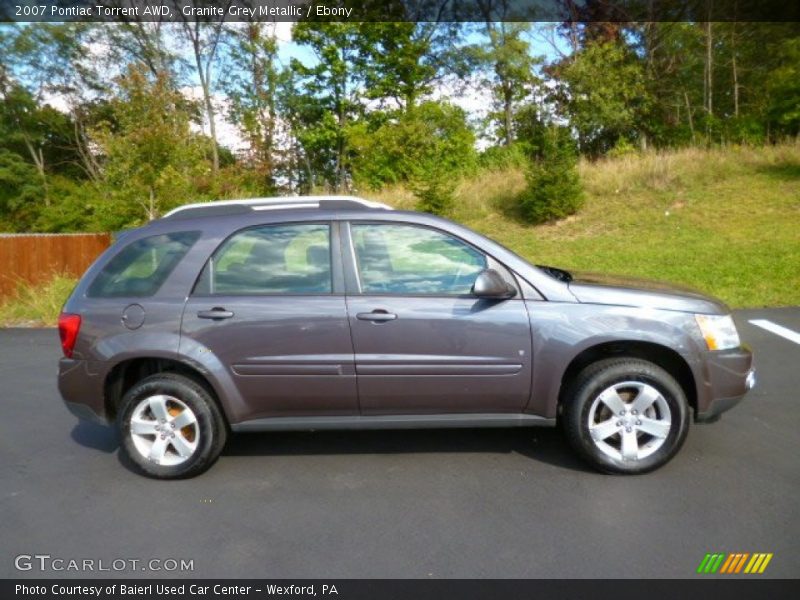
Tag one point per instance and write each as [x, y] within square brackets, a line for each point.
[68, 327]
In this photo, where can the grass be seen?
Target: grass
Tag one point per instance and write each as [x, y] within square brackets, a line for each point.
[36, 305]
[725, 221]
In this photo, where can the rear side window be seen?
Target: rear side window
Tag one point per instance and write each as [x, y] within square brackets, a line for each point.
[274, 259]
[142, 266]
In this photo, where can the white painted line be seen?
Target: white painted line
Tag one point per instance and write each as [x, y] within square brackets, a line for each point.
[790, 335]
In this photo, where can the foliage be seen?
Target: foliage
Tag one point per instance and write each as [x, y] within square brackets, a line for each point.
[323, 98]
[554, 189]
[602, 108]
[497, 158]
[98, 129]
[509, 72]
[21, 190]
[411, 146]
[435, 190]
[252, 89]
[428, 147]
[151, 158]
[784, 88]
[404, 61]
[715, 83]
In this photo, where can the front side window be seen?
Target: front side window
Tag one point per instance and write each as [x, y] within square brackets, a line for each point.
[273, 259]
[141, 267]
[405, 259]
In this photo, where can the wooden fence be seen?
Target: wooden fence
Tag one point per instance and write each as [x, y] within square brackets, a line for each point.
[34, 258]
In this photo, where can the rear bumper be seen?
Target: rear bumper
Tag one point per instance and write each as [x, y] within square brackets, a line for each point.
[729, 376]
[80, 383]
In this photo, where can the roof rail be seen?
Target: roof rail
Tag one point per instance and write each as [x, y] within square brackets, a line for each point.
[227, 207]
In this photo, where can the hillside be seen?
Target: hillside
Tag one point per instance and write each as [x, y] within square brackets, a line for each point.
[726, 221]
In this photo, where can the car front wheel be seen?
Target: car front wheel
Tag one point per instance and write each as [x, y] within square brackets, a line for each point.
[170, 427]
[626, 415]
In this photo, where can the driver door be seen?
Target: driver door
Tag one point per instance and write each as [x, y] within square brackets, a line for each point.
[423, 343]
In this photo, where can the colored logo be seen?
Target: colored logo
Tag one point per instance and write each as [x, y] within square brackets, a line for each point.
[734, 562]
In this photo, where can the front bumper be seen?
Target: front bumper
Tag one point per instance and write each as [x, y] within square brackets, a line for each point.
[729, 375]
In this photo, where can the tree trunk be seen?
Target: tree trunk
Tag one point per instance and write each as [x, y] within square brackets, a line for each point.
[209, 104]
[38, 159]
[735, 89]
[709, 70]
[508, 111]
[341, 117]
[735, 73]
[689, 115]
[150, 205]
[204, 75]
[89, 163]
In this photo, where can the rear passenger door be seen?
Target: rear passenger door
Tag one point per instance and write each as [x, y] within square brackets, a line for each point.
[269, 305]
[424, 344]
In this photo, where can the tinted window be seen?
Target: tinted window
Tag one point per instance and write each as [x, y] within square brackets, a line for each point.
[403, 259]
[275, 259]
[141, 267]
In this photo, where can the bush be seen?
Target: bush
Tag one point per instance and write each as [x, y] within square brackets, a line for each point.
[501, 158]
[554, 189]
[622, 148]
[435, 191]
[403, 147]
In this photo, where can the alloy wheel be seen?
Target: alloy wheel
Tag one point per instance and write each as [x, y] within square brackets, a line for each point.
[629, 421]
[164, 430]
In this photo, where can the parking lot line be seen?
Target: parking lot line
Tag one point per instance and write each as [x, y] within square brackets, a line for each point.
[784, 332]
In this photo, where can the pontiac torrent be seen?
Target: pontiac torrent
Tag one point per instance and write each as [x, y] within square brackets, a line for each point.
[337, 313]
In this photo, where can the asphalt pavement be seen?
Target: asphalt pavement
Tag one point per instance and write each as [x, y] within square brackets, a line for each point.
[433, 503]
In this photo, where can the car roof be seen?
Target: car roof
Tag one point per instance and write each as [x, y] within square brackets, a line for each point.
[246, 205]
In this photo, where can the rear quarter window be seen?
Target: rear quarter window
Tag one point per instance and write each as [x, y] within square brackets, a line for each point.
[140, 268]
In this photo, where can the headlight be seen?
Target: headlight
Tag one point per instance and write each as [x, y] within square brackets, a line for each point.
[718, 331]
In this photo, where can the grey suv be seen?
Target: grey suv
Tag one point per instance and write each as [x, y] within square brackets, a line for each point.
[337, 313]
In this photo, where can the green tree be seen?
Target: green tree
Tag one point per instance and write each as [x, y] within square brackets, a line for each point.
[204, 36]
[325, 98]
[253, 93]
[783, 89]
[511, 68]
[601, 91]
[430, 142]
[150, 156]
[41, 135]
[21, 193]
[403, 61]
[713, 83]
[554, 189]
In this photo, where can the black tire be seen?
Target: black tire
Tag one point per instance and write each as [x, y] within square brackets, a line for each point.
[600, 376]
[211, 429]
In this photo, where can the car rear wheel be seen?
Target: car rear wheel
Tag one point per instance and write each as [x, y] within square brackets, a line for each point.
[170, 427]
[626, 415]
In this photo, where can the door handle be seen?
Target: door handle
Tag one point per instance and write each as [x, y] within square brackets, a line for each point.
[377, 316]
[215, 313]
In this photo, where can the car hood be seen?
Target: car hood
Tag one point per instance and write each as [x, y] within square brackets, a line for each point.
[594, 288]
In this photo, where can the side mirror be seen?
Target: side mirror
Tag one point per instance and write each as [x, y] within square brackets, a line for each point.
[490, 284]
